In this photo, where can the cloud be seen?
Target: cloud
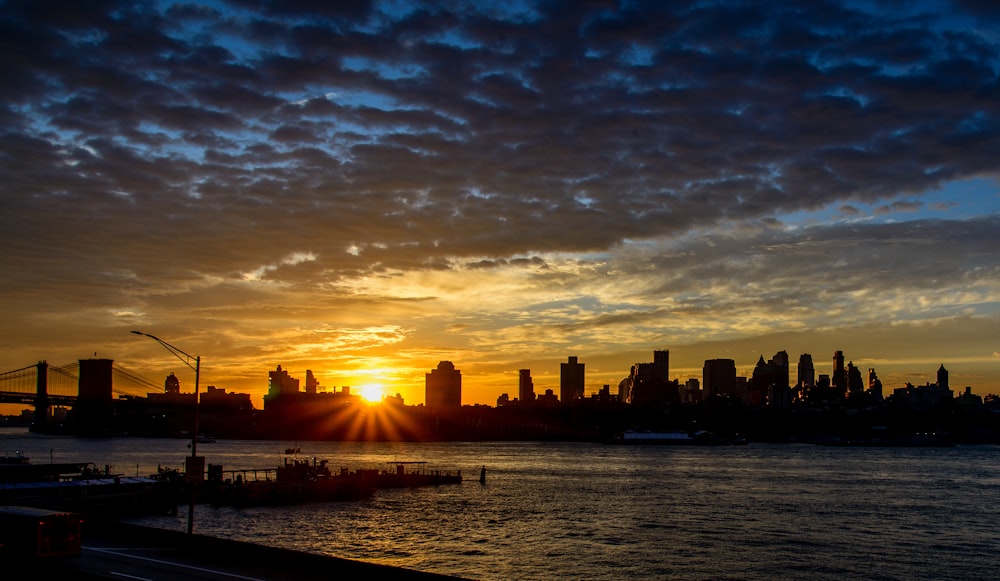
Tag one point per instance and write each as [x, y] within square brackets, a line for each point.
[570, 166]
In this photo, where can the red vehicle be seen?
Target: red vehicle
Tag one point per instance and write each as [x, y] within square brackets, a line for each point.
[39, 534]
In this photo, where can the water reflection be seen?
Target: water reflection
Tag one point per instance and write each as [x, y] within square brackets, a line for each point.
[606, 512]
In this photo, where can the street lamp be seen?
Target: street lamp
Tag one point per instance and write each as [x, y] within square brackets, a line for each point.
[193, 463]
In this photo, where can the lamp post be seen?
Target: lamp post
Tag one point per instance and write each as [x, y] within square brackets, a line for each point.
[193, 462]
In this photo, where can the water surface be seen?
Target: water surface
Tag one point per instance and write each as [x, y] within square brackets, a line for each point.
[590, 511]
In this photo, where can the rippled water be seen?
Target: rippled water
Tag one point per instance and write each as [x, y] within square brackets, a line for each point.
[590, 511]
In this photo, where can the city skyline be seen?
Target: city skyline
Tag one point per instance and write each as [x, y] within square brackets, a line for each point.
[368, 191]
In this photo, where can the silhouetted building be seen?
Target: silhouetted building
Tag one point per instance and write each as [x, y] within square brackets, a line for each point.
[280, 383]
[548, 399]
[172, 396]
[226, 414]
[718, 377]
[806, 371]
[571, 380]
[742, 389]
[218, 398]
[768, 375]
[525, 387]
[649, 383]
[444, 387]
[692, 391]
[855, 385]
[171, 385]
[921, 398]
[779, 397]
[839, 377]
[874, 385]
[604, 395]
[661, 364]
[942, 377]
[312, 384]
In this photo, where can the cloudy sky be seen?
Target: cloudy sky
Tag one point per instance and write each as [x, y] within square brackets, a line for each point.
[367, 191]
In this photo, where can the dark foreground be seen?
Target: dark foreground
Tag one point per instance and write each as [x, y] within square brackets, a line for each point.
[121, 551]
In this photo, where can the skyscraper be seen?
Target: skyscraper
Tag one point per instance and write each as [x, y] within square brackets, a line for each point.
[443, 387]
[571, 380]
[718, 377]
[806, 373]
[874, 384]
[839, 378]
[768, 375]
[855, 385]
[525, 387]
[661, 364]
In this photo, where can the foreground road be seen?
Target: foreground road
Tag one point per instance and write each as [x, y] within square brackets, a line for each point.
[161, 564]
[124, 552]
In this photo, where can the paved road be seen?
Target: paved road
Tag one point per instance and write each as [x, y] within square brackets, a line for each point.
[125, 552]
[160, 564]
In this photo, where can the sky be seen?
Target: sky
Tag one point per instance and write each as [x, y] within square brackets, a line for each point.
[369, 189]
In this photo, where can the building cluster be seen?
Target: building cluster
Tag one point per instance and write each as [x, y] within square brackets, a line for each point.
[314, 412]
[770, 384]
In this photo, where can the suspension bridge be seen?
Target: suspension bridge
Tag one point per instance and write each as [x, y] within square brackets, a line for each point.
[85, 381]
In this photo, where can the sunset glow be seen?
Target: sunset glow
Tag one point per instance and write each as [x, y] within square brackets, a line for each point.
[364, 192]
[372, 393]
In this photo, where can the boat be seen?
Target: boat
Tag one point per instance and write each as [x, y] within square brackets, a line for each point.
[83, 488]
[294, 481]
[698, 438]
[17, 459]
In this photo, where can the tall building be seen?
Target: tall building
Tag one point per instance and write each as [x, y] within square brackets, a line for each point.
[855, 385]
[172, 385]
[692, 391]
[874, 384]
[661, 364]
[280, 383]
[311, 382]
[718, 377]
[839, 377]
[571, 380]
[649, 383]
[767, 376]
[806, 373]
[443, 388]
[525, 387]
[942, 377]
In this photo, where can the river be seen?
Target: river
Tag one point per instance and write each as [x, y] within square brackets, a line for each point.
[591, 511]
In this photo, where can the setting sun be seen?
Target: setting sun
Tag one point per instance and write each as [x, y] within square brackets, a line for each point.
[372, 393]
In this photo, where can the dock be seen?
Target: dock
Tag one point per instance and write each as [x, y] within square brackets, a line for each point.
[303, 481]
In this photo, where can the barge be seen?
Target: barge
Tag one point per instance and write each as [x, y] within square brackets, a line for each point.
[297, 481]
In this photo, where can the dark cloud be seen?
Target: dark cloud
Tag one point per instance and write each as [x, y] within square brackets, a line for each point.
[148, 144]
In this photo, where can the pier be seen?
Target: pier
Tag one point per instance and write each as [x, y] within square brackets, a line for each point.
[304, 481]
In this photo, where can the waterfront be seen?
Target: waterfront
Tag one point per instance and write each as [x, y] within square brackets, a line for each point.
[591, 511]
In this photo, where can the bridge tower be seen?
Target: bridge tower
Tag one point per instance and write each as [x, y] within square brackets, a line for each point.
[41, 422]
[93, 409]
